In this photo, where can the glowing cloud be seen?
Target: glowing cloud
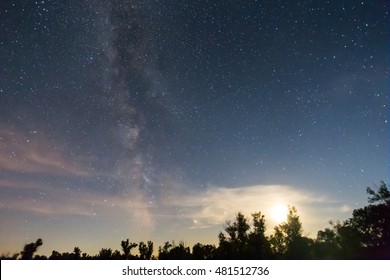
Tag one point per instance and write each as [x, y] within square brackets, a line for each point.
[219, 204]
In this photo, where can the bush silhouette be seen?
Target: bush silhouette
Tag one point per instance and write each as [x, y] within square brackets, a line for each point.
[30, 249]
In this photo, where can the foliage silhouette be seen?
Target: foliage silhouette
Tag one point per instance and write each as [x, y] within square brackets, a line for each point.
[105, 254]
[288, 241]
[174, 252]
[55, 255]
[240, 242]
[204, 252]
[326, 245]
[366, 235]
[77, 253]
[259, 245]
[145, 250]
[372, 224]
[126, 247]
[382, 196]
[30, 249]
[237, 238]
[235, 244]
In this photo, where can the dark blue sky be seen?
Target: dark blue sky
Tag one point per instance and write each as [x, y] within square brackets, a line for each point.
[152, 118]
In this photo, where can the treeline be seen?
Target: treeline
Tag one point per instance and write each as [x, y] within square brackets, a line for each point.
[366, 235]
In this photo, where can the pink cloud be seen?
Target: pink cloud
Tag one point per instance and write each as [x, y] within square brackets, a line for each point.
[31, 152]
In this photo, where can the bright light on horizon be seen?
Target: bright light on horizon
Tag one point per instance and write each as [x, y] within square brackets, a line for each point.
[279, 213]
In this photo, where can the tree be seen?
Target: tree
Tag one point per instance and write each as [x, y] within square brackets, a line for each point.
[77, 253]
[236, 242]
[174, 252]
[105, 254]
[278, 245]
[40, 257]
[293, 227]
[382, 196]
[116, 255]
[326, 246]
[55, 255]
[288, 242]
[366, 235]
[225, 248]
[8, 257]
[163, 252]
[180, 252]
[126, 247]
[30, 249]
[203, 252]
[145, 250]
[259, 246]
[372, 224]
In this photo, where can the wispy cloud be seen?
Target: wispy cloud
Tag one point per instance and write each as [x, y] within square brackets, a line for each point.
[31, 152]
[59, 202]
[20, 185]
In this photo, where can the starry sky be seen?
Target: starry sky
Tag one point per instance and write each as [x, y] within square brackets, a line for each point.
[159, 120]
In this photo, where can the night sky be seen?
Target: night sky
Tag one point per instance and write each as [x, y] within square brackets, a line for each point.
[160, 120]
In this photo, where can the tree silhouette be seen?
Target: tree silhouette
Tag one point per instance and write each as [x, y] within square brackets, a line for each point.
[293, 227]
[180, 252]
[278, 245]
[225, 248]
[288, 241]
[382, 196]
[363, 236]
[241, 243]
[326, 246]
[30, 249]
[145, 250]
[105, 254]
[348, 239]
[126, 247]
[204, 252]
[174, 252]
[55, 255]
[8, 257]
[235, 245]
[116, 255]
[77, 253]
[259, 245]
[372, 224]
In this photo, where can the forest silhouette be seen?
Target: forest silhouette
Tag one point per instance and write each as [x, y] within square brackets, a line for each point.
[366, 235]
